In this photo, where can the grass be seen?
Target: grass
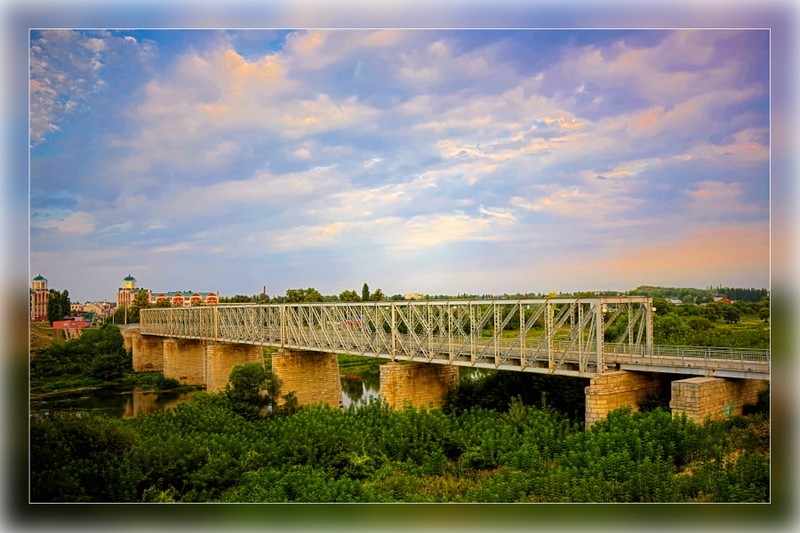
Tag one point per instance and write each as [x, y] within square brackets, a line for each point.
[43, 336]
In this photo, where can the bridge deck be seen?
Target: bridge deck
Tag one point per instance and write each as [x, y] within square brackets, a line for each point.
[555, 336]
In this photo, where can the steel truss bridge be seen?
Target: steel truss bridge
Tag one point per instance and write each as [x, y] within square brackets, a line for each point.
[562, 336]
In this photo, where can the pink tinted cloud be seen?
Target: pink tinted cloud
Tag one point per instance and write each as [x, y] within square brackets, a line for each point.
[729, 255]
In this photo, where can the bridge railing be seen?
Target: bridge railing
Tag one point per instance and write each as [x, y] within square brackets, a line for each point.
[697, 352]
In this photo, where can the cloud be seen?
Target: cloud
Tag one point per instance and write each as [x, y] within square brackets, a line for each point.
[79, 222]
[663, 73]
[581, 202]
[177, 247]
[748, 146]
[718, 199]
[220, 93]
[444, 143]
[389, 233]
[66, 71]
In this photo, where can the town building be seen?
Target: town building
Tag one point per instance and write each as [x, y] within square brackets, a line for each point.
[185, 298]
[128, 291]
[39, 298]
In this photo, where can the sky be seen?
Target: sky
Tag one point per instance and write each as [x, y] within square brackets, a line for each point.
[431, 161]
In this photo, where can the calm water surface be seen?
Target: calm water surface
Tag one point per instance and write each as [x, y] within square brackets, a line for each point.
[360, 384]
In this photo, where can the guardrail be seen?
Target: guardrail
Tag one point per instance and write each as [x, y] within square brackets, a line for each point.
[698, 352]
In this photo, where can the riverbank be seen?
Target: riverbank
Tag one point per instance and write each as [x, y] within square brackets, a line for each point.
[148, 381]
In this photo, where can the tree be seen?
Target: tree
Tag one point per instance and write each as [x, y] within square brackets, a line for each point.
[349, 296]
[731, 314]
[303, 295]
[663, 307]
[377, 296]
[54, 306]
[251, 388]
[711, 311]
[58, 305]
[66, 305]
[141, 300]
[763, 314]
[365, 293]
[239, 298]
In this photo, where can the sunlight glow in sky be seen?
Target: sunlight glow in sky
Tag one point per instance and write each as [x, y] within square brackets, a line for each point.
[432, 161]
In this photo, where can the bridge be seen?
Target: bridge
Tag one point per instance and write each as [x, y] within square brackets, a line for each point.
[605, 339]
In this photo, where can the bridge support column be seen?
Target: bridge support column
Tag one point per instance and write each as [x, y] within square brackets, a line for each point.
[127, 337]
[702, 397]
[148, 352]
[312, 376]
[184, 360]
[423, 384]
[612, 390]
[221, 358]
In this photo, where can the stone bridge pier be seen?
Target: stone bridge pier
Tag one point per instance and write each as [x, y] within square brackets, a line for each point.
[421, 384]
[191, 362]
[313, 377]
[698, 397]
[702, 397]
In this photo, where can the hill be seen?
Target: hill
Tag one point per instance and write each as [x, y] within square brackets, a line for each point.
[43, 336]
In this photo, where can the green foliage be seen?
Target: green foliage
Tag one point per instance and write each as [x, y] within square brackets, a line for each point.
[699, 296]
[204, 451]
[97, 353]
[377, 296]
[141, 300]
[156, 381]
[691, 325]
[503, 437]
[303, 295]
[107, 366]
[349, 296]
[251, 389]
[743, 295]
[365, 293]
[495, 390]
[58, 305]
[731, 314]
[81, 459]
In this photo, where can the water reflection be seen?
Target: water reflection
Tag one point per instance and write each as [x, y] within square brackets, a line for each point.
[360, 384]
[115, 402]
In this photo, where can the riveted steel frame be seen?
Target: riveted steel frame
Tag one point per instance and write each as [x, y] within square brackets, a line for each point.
[566, 336]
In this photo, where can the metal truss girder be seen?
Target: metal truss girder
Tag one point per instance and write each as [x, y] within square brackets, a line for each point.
[552, 335]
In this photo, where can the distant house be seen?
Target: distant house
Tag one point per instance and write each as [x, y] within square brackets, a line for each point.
[70, 324]
[413, 296]
[185, 298]
[128, 291]
[676, 302]
[723, 299]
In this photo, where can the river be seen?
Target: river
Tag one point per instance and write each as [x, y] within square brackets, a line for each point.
[360, 384]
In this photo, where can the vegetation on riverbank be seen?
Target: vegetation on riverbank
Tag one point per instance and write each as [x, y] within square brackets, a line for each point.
[97, 358]
[205, 451]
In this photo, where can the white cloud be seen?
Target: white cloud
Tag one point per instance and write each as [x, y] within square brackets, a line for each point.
[65, 72]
